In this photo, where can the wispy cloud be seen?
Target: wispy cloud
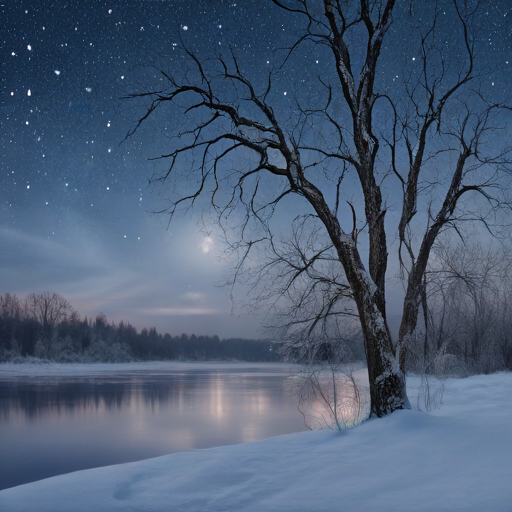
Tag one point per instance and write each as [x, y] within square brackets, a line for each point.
[194, 296]
[180, 311]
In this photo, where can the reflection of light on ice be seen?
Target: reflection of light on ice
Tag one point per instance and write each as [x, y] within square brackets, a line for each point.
[217, 403]
[259, 402]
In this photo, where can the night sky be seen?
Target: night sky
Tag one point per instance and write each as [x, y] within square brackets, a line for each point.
[75, 201]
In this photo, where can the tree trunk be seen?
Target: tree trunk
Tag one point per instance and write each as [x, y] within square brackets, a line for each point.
[386, 378]
[415, 279]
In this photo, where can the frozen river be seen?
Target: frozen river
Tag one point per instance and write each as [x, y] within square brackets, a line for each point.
[56, 419]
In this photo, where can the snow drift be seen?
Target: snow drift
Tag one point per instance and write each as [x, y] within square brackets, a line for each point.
[456, 459]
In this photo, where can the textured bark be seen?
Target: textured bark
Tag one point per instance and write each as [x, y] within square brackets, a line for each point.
[228, 126]
[415, 279]
[386, 379]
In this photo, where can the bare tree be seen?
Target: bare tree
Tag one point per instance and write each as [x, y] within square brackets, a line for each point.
[11, 314]
[49, 309]
[423, 143]
[468, 309]
[10, 307]
[300, 282]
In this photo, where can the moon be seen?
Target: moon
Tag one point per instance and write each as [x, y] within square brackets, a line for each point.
[206, 244]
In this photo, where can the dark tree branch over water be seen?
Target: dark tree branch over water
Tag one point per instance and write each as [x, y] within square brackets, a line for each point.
[425, 141]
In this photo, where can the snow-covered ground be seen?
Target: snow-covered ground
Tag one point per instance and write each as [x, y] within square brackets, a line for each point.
[458, 458]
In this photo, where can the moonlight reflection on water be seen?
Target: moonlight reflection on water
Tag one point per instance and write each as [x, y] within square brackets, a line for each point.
[58, 419]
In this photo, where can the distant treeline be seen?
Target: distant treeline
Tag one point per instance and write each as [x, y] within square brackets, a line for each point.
[45, 326]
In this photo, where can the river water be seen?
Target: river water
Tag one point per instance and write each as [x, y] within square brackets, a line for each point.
[55, 419]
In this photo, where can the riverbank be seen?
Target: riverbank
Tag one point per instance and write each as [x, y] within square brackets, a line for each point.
[457, 458]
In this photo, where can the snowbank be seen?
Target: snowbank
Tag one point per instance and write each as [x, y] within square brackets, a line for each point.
[456, 459]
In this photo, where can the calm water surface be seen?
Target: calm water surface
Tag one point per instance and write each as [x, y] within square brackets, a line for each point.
[56, 419]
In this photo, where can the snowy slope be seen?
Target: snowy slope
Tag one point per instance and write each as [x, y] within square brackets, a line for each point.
[456, 459]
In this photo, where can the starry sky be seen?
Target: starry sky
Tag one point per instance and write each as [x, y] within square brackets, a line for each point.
[75, 201]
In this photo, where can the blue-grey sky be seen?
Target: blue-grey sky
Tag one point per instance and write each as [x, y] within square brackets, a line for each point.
[75, 200]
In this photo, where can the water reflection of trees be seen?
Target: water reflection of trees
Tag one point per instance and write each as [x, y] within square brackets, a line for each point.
[39, 399]
[42, 398]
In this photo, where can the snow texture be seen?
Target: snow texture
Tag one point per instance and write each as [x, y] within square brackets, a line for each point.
[456, 459]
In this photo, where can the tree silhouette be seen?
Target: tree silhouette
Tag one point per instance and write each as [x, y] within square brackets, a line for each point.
[425, 145]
